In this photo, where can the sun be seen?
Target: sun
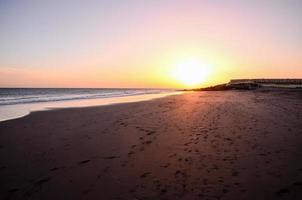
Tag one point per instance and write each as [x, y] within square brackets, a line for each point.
[191, 72]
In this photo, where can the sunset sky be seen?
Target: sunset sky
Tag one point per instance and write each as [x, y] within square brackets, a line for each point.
[61, 43]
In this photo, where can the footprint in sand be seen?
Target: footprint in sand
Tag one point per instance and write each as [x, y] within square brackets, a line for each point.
[84, 161]
[130, 153]
[44, 180]
[13, 190]
[144, 175]
[110, 157]
[56, 168]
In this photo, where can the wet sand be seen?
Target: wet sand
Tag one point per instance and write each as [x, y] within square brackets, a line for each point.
[202, 145]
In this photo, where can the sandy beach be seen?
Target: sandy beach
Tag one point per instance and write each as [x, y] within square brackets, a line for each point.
[197, 145]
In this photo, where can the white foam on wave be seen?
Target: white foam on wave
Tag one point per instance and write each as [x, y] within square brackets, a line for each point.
[23, 96]
[8, 112]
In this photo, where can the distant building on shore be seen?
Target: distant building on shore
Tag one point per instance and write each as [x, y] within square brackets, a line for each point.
[257, 83]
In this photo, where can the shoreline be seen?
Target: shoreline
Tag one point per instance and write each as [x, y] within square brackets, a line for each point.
[197, 145]
[15, 111]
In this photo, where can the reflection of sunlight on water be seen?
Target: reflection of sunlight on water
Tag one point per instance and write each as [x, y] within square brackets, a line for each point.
[8, 112]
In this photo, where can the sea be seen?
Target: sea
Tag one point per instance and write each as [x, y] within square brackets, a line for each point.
[18, 102]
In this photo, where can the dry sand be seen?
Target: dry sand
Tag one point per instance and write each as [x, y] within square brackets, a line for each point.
[203, 145]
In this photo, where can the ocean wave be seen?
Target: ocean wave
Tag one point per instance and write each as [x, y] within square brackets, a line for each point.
[13, 96]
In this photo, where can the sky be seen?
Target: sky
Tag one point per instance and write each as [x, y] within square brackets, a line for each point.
[141, 44]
